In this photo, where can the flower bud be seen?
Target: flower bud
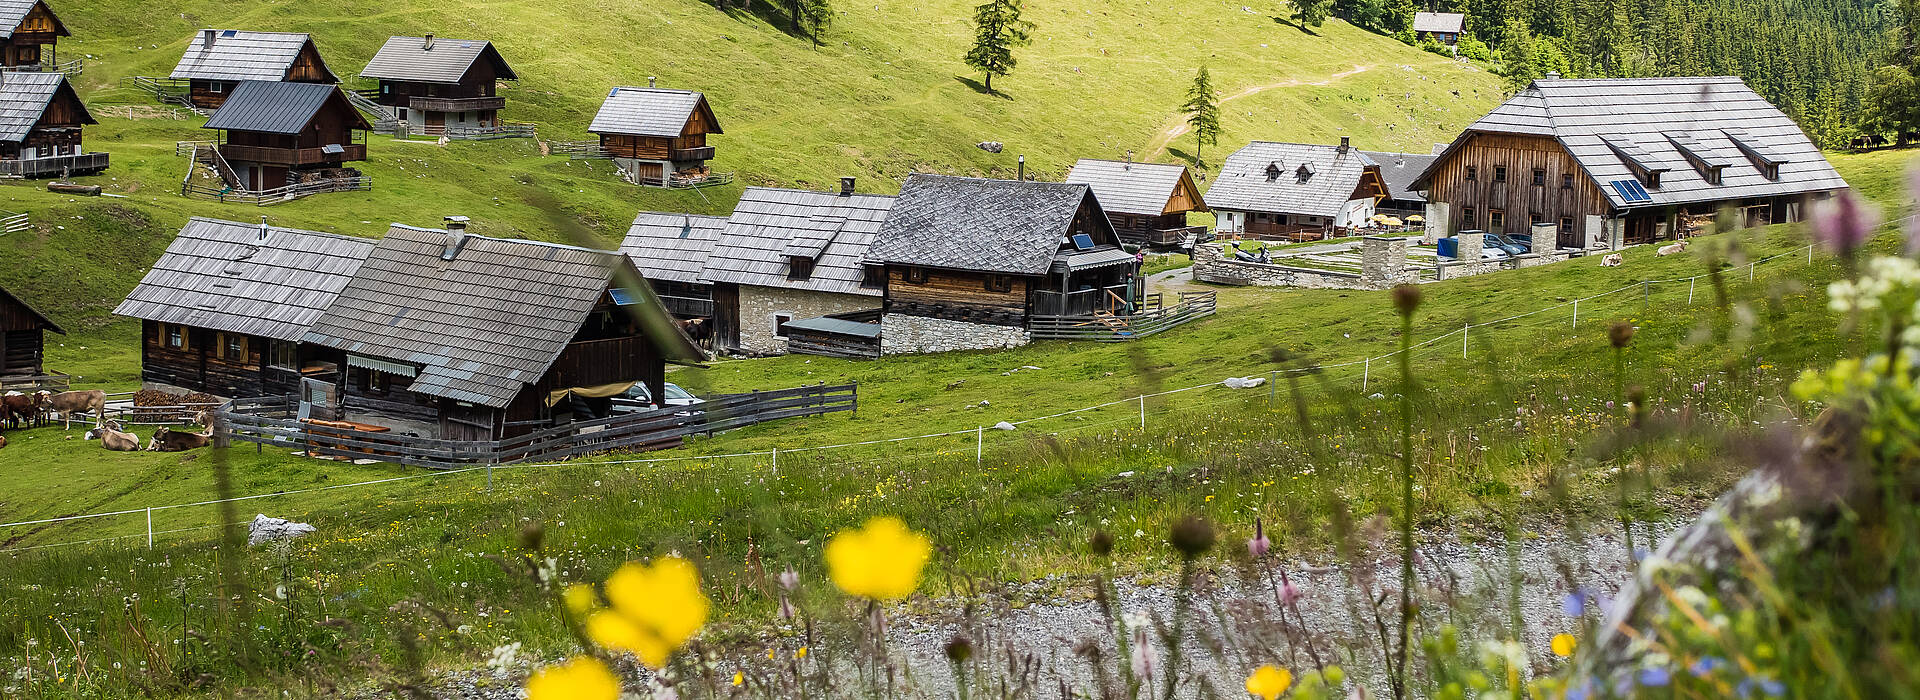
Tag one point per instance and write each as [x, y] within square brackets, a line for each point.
[1620, 334]
[1406, 298]
[959, 649]
[1101, 543]
[1192, 536]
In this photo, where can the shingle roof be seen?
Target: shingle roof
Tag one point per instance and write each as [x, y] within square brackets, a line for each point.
[409, 58]
[965, 223]
[12, 12]
[1245, 182]
[672, 247]
[1399, 170]
[1643, 119]
[276, 107]
[241, 55]
[770, 224]
[222, 275]
[44, 321]
[24, 98]
[648, 112]
[1129, 188]
[486, 324]
[1442, 22]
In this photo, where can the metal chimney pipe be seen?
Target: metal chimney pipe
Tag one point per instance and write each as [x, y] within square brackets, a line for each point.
[1023, 167]
[426, 43]
[651, 80]
[263, 227]
[846, 186]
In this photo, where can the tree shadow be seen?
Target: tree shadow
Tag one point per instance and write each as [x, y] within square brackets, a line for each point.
[981, 88]
[1296, 25]
[1191, 160]
[775, 14]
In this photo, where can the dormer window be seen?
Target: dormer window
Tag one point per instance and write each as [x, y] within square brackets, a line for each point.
[1273, 171]
[1712, 175]
[799, 268]
[1304, 172]
[1652, 180]
[1763, 158]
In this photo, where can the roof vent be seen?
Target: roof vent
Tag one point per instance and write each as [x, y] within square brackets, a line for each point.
[426, 42]
[1344, 144]
[263, 228]
[1552, 75]
[651, 81]
[686, 226]
[456, 236]
[1129, 165]
[206, 36]
[1023, 167]
[846, 186]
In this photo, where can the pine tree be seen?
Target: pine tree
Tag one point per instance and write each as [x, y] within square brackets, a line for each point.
[1203, 113]
[809, 17]
[997, 31]
[1311, 13]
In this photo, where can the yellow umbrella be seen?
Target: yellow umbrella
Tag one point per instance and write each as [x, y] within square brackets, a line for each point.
[1416, 218]
[1390, 221]
[1379, 217]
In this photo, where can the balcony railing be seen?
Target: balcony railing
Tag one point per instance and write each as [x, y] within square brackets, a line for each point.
[291, 156]
[456, 104]
[1174, 236]
[684, 154]
[50, 166]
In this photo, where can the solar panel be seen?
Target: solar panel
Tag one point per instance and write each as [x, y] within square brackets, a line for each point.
[229, 32]
[623, 297]
[1082, 241]
[1631, 191]
[333, 148]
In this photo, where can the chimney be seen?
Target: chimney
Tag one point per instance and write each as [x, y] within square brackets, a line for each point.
[1129, 165]
[206, 36]
[426, 43]
[1553, 75]
[1343, 144]
[1023, 167]
[651, 81]
[456, 236]
[846, 186]
[263, 228]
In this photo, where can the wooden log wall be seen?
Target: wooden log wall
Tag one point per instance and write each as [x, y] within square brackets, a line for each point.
[957, 294]
[1516, 197]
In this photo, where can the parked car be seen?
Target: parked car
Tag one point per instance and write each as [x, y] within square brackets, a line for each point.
[1500, 241]
[1492, 253]
[637, 398]
[1489, 250]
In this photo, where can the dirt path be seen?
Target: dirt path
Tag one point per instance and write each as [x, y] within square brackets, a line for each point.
[1178, 126]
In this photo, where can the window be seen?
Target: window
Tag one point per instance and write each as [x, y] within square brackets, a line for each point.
[1653, 179]
[799, 267]
[175, 337]
[1499, 173]
[1534, 217]
[914, 275]
[216, 87]
[780, 322]
[1466, 217]
[1566, 224]
[1771, 171]
[873, 276]
[233, 346]
[1566, 181]
[286, 355]
[400, 114]
[999, 283]
[1540, 177]
[1473, 173]
[1496, 220]
[1713, 176]
[377, 382]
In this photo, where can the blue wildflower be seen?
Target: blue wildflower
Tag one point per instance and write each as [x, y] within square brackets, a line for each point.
[1706, 666]
[1655, 677]
[1575, 604]
[1769, 686]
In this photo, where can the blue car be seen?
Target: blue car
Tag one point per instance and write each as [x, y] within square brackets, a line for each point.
[1495, 240]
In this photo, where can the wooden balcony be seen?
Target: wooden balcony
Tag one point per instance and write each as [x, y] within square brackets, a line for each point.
[291, 156]
[685, 154]
[456, 104]
[55, 166]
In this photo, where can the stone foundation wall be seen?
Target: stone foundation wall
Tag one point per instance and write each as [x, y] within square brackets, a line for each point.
[1210, 264]
[904, 334]
[759, 306]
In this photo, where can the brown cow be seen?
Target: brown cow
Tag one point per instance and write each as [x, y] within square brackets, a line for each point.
[3, 441]
[113, 438]
[165, 440]
[68, 403]
[17, 408]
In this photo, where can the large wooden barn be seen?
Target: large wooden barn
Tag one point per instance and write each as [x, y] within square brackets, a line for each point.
[224, 309]
[1295, 190]
[440, 86]
[792, 255]
[1623, 161]
[218, 60]
[655, 134]
[41, 120]
[275, 134]
[458, 336]
[1148, 203]
[23, 338]
[969, 261]
[29, 32]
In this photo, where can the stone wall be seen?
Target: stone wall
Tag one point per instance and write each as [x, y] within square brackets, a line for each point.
[759, 306]
[1383, 262]
[903, 334]
[1211, 264]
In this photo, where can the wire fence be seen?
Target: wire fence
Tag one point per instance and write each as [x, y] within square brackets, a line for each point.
[1139, 420]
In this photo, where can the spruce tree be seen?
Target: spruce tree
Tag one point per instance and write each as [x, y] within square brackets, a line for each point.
[997, 31]
[1203, 113]
[809, 17]
[1311, 13]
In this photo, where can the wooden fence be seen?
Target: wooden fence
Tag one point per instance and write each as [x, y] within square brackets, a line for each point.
[1114, 328]
[274, 422]
[13, 222]
[25, 384]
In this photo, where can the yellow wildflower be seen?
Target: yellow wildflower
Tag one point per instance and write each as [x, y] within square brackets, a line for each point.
[583, 678]
[1563, 644]
[1268, 682]
[739, 678]
[655, 609]
[800, 653]
[881, 561]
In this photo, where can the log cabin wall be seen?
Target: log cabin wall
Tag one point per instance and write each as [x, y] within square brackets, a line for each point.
[1566, 193]
[22, 351]
[233, 365]
[37, 28]
[307, 67]
[480, 81]
[649, 147]
[1137, 228]
[961, 295]
[363, 390]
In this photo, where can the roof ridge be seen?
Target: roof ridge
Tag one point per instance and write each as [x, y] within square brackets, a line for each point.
[528, 241]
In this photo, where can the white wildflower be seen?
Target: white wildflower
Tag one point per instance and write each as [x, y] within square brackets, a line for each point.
[505, 657]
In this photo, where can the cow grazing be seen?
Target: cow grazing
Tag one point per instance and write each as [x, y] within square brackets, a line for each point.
[3, 441]
[1675, 247]
[165, 440]
[71, 402]
[113, 438]
[1612, 260]
[17, 408]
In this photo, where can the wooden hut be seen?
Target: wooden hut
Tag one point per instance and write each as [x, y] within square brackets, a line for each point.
[465, 337]
[969, 261]
[1398, 171]
[274, 134]
[789, 255]
[218, 60]
[224, 309]
[1295, 190]
[1626, 160]
[656, 134]
[440, 86]
[1148, 203]
[1444, 27]
[41, 120]
[671, 251]
[23, 339]
[29, 32]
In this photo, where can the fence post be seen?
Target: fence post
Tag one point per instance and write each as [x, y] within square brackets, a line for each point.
[1646, 289]
[979, 445]
[149, 527]
[1143, 412]
[489, 477]
[1750, 271]
[1463, 339]
[1273, 386]
[1576, 313]
[1366, 373]
[776, 459]
[1690, 282]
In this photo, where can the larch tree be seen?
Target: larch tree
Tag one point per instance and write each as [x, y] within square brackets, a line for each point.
[997, 31]
[1311, 13]
[809, 17]
[1203, 113]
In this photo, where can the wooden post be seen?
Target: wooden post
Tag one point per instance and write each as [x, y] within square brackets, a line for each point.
[1463, 339]
[1143, 412]
[979, 446]
[1576, 313]
[1690, 282]
[776, 459]
[1366, 373]
[149, 527]
[1750, 271]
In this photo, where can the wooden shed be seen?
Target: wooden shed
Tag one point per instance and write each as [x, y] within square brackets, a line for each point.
[29, 32]
[458, 336]
[1295, 190]
[23, 339]
[218, 60]
[41, 120]
[274, 134]
[224, 308]
[1148, 203]
[1444, 27]
[656, 134]
[440, 86]
[1627, 160]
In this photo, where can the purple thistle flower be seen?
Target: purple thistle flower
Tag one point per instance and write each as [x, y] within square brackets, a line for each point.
[1843, 223]
[789, 578]
[1258, 546]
